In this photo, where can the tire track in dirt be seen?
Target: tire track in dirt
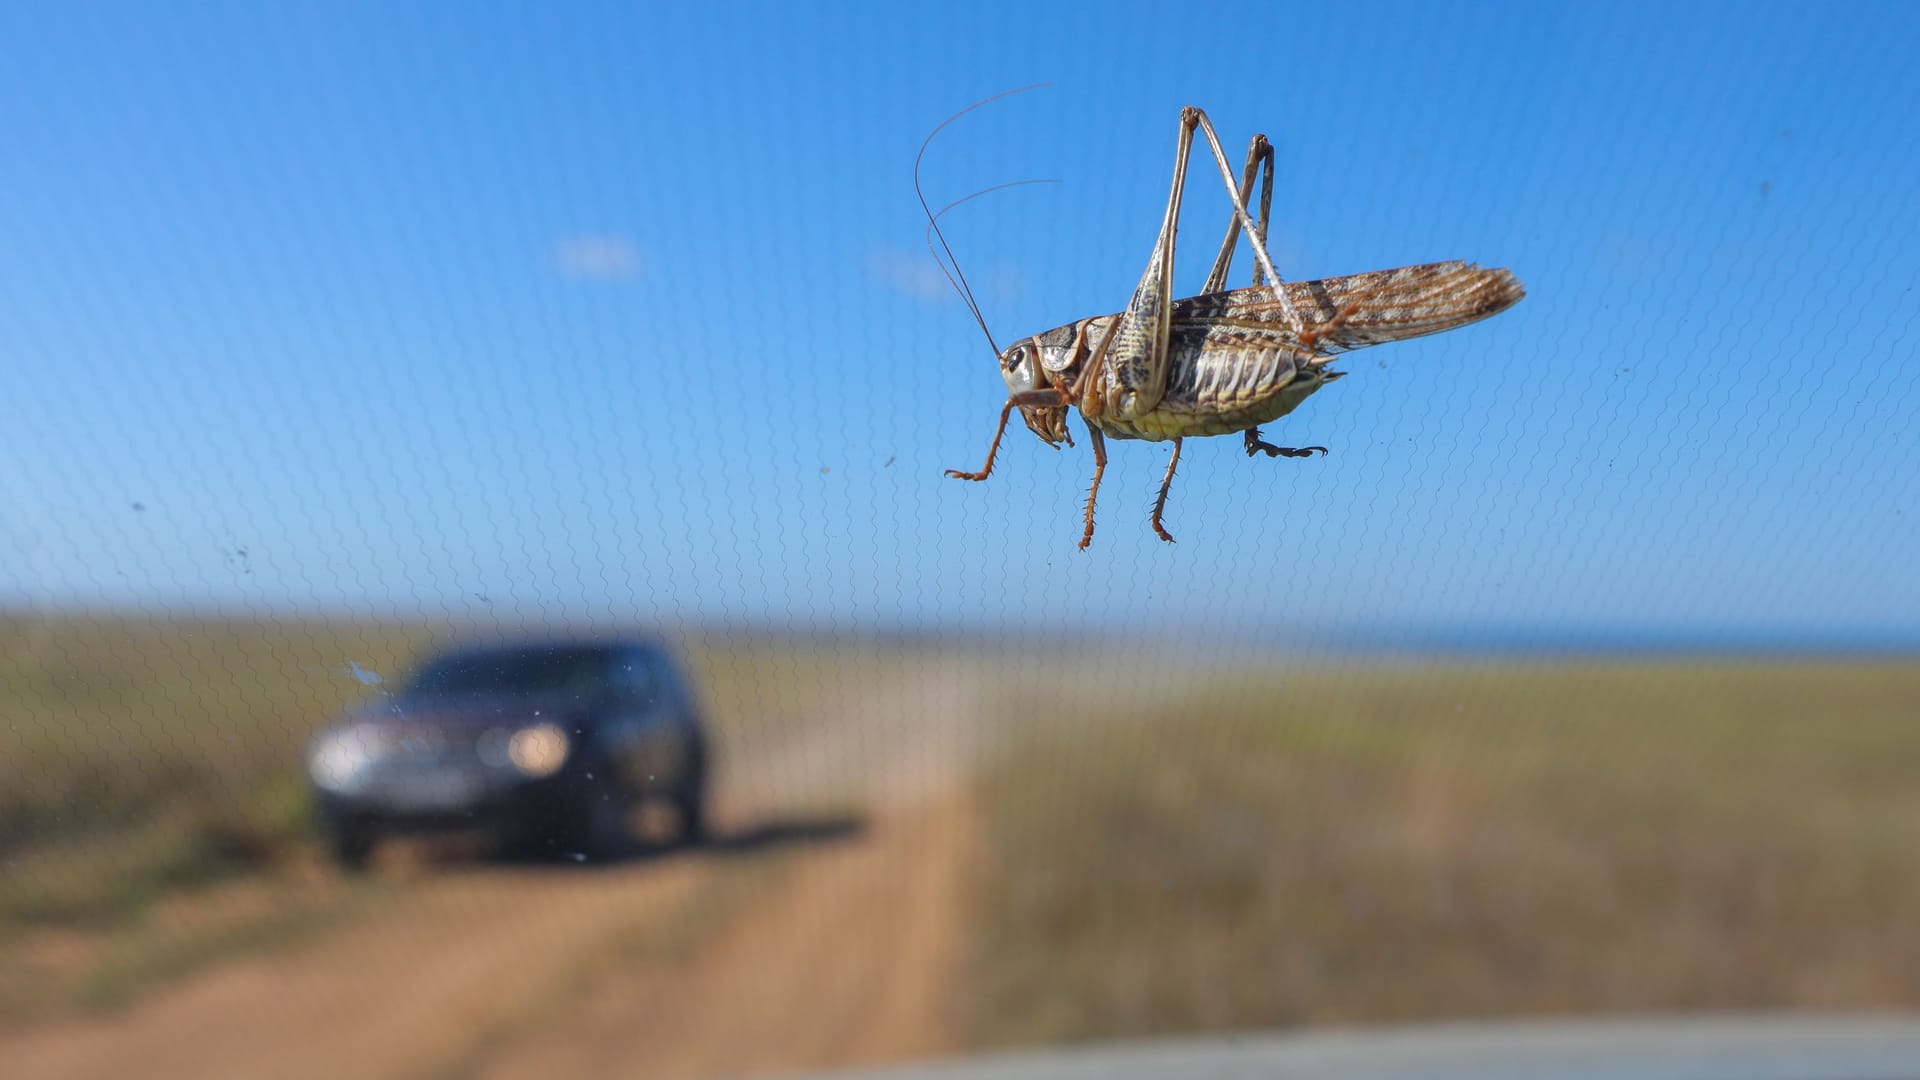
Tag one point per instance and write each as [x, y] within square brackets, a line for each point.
[850, 960]
[392, 994]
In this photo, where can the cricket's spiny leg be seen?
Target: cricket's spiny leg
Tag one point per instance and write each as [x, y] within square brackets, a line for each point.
[1134, 354]
[1160, 504]
[1259, 160]
[1034, 397]
[1263, 263]
[1256, 446]
[1099, 442]
[1266, 211]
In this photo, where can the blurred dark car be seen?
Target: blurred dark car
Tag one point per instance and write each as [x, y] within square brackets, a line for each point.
[550, 746]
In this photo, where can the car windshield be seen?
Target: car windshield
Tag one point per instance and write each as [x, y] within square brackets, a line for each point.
[515, 673]
[738, 540]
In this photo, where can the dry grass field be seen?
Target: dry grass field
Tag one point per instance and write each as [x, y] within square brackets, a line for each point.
[1396, 844]
[930, 850]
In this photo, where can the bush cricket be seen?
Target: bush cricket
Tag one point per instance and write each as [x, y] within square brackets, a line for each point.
[1222, 362]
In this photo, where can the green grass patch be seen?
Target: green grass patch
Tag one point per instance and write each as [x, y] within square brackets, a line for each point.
[107, 723]
[1394, 844]
[143, 756]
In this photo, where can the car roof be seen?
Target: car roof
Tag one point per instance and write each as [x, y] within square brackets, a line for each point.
[509, 646]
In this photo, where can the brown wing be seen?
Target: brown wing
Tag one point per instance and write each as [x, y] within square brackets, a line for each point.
[1358, 310]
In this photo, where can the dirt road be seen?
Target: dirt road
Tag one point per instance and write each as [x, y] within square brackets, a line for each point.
[824, 928]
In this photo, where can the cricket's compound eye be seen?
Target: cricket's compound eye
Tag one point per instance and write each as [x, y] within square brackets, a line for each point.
[1021, 368]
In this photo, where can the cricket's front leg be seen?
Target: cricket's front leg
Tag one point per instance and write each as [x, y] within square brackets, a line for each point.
[1255, 445]
[1042, 398]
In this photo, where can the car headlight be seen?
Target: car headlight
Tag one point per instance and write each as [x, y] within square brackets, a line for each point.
[339, 759]
[539, 750]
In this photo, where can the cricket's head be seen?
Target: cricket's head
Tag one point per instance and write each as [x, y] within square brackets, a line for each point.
[1020, 367]
[1020, 364]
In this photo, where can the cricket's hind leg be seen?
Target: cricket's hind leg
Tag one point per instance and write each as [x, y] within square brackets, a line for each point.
[1256, 445]
[1259, 165]
[1133, 359]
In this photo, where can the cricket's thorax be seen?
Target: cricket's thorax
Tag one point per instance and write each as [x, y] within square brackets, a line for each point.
[1223, 377]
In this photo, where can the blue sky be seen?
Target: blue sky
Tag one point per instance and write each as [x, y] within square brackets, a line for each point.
[621, 312]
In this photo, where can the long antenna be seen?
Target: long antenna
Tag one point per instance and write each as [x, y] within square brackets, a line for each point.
[955, 277]
[933, 227]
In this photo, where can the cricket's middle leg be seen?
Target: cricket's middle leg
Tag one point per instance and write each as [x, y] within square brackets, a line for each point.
[1099, 466]
[1160, 504]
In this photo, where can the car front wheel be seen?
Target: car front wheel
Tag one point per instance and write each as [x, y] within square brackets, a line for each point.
[691, 805]
[351, 846]
[605, 828]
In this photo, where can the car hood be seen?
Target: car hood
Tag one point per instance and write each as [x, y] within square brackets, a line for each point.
[466, 713]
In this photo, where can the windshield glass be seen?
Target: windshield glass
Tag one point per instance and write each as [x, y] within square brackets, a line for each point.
[515, 673]
[660, 540]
